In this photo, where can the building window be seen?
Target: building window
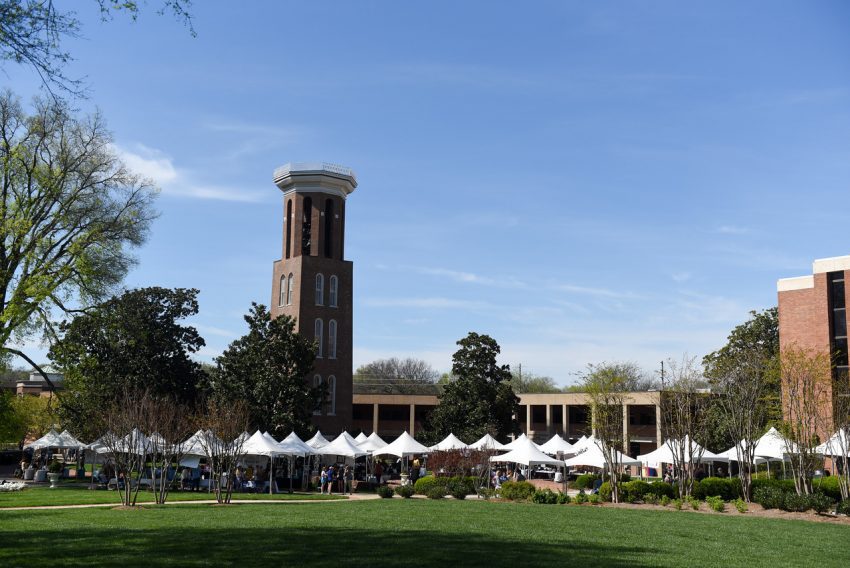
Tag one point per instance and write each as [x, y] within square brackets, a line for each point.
[332, 339]
[332, 394]
[317, 383]
[334, 285]
[307, 226]
[288, 222]
[838, 305]
[281, 301]
[290, 289]
[318, 337]
[320, 290]
[329, 219]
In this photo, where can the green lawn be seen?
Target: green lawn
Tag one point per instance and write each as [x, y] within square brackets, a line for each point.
[416, 533]
[37, 496]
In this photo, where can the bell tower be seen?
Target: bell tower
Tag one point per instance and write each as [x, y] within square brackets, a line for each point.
[312, 281]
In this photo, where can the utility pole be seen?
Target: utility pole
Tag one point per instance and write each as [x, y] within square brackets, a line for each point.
[662, 375]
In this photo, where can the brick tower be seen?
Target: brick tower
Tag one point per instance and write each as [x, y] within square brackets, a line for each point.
[312, 282]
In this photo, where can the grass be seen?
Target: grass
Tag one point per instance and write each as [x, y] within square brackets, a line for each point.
[417, 532]
[40, 496]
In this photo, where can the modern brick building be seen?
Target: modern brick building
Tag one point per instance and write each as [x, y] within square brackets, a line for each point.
[813, 313]
[312, 281]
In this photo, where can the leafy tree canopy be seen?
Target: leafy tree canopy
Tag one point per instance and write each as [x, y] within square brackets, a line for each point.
[480, 400]
[132, 341]
[69, 212]
[267, 369]
[531, 383]
[396, 376]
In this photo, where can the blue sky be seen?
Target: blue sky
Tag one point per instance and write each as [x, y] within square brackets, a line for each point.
[585, 182]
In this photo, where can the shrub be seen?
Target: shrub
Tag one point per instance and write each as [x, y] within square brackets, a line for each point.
[843, 508]
[436, 492]
[458, 488]
[632, 491]
[693, 502]
[55, 467]
[563, 499]
[769, 497]
[585, 481]
[544, 497]
[796, 503]
[516, 490]
[665, 500]
[487, 493]
[594, 499]
[661, 489]
[385, 491]
[650, 499]
[423, 484]
[727, 489]
[820, 502]
[741, 505]
[581, 498]
[677, 504]
[405, 491]
[786, 485]
[716, 503]
[605, 491]
[828, 486]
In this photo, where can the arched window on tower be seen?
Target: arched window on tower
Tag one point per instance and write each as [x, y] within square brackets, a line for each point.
[288, 222]
[332, 339]
[307, 226]
[290, 289]
[320, 289]
[329, 222]
[332, 395]
[284, 285]
[317, 383]
[318, 336]
[334, 288]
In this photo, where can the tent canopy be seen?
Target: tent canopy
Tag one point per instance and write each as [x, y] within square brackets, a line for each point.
[317, 441]
[590, 454]
[70, 440]
[556, 445]
[692, 452]
[361, 437]
[342, 445]
[518, 443]
[487, 442]
[372, 443]
[50, 440]
[402, 446]
[770, 447]
[450, 442]
[837, 445]
[294, 446]
[260, 445]
[525, 452]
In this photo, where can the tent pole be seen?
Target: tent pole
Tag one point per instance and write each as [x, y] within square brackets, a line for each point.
[271, 473]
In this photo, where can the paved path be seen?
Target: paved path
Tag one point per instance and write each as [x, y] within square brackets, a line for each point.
[353, 497]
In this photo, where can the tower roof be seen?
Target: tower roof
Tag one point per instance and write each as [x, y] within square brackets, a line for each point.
[295, 174]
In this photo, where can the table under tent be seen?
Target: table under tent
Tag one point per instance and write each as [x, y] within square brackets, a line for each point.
[403, 447]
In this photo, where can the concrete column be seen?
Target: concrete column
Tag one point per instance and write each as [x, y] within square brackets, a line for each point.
[375, 417]
[658, 425]
[412, 419]
[549, 419]
[528, 420]
[565, 421]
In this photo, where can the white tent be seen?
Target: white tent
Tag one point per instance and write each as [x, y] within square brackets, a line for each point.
[665, 453]
[836, 445]
[317, 441]
[260, 445]
[519, 442]
[135, 443]
[590, 454]
[372, 443]
[342, 445]
[525, 452]
[70, 441]
[50, 440]
[193, 446]
[581, 443]
[361, 437]
[557, 445]
[295, 446]
[99, 446]
[770, 447]
[451, 442]
[402, 446]
[487, 442]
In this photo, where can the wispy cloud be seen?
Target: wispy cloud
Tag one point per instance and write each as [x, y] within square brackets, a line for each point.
[467, 277]
[217, 331]
[681, 276]
[426, 303]
[593, 291]
[180, 182]
[731, 230]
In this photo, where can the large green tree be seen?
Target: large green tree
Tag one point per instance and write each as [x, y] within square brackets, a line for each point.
[70, 211]
[480, 399]
[267, 369]
[132, 342]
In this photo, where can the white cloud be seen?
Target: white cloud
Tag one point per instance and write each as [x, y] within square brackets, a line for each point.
[468, 277]
[592, 291]
[681, 276]
[426, 303]
[732, 230]
[158, 167]
[212, 330]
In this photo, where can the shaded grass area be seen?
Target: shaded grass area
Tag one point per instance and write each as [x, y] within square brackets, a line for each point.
[416, 532]
[44, 496]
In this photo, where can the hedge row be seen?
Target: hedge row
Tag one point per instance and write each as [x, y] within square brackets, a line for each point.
[454, 486]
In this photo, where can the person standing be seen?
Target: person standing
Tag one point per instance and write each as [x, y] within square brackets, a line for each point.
[323, 479]
[330, 479]
[347, 478]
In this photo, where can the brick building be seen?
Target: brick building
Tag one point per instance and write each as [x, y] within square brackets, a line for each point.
[813, 315]
[312, 281]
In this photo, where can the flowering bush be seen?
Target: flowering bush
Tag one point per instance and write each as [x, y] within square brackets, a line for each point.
[12, 486]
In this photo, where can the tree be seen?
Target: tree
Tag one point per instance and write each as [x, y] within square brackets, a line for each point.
[31, 33]
[606, 386]
[69, 212]
[480, 400]
[24, 417]
[685, 419]
[221, 423]
[132, 341]
[395, 376]
[267, 369]
[531, 383]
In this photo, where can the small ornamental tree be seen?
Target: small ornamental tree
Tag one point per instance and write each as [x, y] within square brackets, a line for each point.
[222, 424]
